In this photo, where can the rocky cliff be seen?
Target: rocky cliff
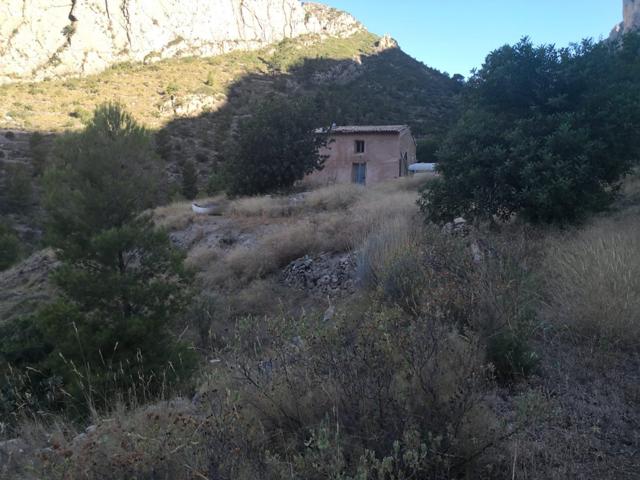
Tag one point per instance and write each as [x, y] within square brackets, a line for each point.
[41, 39]
[631, 18]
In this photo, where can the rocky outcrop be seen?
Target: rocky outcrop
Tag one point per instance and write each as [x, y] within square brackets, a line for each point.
[631, 18]
[42, 39]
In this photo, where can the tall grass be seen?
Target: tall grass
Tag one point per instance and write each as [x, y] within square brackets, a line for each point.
[594, 284]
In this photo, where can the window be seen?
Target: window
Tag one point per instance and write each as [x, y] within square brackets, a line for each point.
[359, 146]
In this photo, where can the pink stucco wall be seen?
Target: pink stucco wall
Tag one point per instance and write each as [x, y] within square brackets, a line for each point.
[382, 156]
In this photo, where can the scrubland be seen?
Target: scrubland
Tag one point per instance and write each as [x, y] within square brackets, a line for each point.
[484, 352]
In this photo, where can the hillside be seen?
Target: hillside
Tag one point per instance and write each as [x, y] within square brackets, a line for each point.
[193, 102]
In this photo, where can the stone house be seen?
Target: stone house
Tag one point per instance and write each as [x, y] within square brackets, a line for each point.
[366, 154]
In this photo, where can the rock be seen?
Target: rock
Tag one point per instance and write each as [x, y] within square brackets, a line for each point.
[329, 313]
[13, 447]
[191, 105]
[43, 39]
[323, 275]
[386, 43]
[631, 19]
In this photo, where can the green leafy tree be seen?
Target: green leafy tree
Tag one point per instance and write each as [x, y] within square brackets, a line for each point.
[547, 134]
[189, 180]
[122, 283]
[275, 147]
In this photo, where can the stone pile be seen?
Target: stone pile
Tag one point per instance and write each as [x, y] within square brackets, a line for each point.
[325, 275]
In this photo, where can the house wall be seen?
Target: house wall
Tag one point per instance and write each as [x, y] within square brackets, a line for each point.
[382, 156]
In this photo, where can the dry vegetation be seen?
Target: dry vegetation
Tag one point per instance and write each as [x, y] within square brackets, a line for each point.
[57, 105]
[462, 356]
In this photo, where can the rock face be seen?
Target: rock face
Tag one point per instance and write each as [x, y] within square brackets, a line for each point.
[631, 18]
[42, 39]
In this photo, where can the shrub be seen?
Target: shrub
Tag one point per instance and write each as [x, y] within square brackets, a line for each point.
[217, 183]
[39, 152]
[391, 262]
[18, 188]
[189, 180]
[9, 247]
[593, 285]
[366, 382]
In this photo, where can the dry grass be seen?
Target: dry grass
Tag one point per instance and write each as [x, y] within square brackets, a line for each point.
[58, 105]
[178, 215]
[334, 197]
[331, 219]
[594, 283]
[266, 206]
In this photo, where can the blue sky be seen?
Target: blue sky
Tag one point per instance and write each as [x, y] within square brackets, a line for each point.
[456, 35]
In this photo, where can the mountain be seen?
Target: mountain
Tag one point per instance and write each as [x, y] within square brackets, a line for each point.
[190, 98]
[43, 39]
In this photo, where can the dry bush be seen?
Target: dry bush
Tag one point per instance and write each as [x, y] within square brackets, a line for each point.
[265, 206]
[334, 197]
[377, 207]
[390, 261]
[330, 394]
[271, 252]
[177, 440]
[203, 255]
[178, 215]
[593, 284]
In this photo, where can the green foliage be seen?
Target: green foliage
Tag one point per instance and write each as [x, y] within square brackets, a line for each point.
[130, 283]
[211, 79]
[9, 247]
[18, 188]
[276, 147]
[217, 183]
[511, 355]
[39, 152]
[172, 88]
[547, 133]
[122, 283]
[189, 180]
[426, 150]
[101, 178]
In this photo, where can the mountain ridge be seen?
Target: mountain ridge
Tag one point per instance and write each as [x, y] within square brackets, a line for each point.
[82, 37]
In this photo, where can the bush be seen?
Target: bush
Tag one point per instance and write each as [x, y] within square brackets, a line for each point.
[217, 183]
[39, 152]
[18, 188]
[593, 285]
[391, 262]
[189, 180]
[9, 247]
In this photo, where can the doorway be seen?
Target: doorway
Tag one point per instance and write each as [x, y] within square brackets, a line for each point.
[359, 173]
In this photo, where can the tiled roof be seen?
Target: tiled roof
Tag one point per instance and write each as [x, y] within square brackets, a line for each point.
[367, 129]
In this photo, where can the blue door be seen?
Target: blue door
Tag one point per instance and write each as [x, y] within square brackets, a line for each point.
[359, 173]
